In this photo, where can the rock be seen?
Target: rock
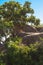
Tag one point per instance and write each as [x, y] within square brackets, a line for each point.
[21, 30]
[21, 34]
[30, 39]
[28, 28]
[40, 29]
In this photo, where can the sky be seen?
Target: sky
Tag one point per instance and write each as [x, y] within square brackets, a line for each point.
[37, 5]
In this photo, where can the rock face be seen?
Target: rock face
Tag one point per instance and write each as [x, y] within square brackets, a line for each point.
[25, 28]
[40, 29]
[30, 39]
[27, 38]
[19, 30]
[28, 28]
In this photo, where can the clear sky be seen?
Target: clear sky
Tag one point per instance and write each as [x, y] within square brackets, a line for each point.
[37, 5]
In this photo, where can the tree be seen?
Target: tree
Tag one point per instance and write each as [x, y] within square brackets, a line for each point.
[37, 22]
[31, 19]
[28, 8]
[13, 13]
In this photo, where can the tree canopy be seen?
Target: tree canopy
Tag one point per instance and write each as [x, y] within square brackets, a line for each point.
[13, 13]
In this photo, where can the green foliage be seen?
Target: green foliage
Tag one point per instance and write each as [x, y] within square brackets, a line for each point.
[37, 22]
[24, 55]
[12, 13]
[33, 20]
[19, 54]
[2, 58]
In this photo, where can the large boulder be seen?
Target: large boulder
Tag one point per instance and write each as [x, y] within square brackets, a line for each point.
[28, 28]
[40, 29]
[30, 39]
[21, 30]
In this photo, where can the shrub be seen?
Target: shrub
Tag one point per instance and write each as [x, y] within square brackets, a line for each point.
[23, 55]
[2, 59]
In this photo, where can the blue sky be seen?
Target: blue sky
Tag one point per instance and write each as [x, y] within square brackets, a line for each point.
[37, 5]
